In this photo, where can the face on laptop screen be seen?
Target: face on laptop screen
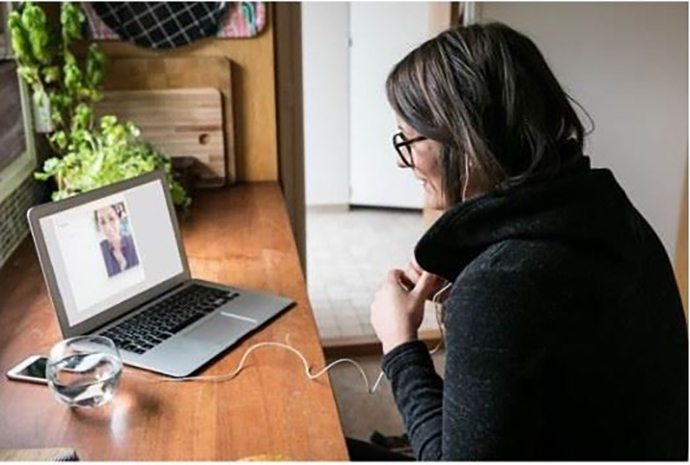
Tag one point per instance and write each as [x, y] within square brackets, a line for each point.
[111, 249]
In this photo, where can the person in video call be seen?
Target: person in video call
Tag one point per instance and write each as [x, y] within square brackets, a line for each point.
[565, 336]
[118, 249]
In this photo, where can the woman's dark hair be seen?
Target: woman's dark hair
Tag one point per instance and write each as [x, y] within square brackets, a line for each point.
[117, 211]
[486, 94]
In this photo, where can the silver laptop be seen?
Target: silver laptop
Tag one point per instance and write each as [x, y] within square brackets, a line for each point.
[115, 265]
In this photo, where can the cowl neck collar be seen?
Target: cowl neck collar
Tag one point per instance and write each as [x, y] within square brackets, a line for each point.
[580, 206]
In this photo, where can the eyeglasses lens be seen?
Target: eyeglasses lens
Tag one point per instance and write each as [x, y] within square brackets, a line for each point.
[404, 151]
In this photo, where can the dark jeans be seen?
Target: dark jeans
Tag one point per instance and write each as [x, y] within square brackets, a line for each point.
[361, 451]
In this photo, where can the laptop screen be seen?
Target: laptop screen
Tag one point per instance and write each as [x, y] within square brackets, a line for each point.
[111, 249]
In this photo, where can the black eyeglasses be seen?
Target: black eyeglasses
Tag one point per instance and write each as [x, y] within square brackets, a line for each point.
[404, 148]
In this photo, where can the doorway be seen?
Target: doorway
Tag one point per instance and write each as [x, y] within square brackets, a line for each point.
[363, 214]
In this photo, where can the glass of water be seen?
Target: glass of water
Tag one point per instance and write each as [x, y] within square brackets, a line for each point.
[84, 371]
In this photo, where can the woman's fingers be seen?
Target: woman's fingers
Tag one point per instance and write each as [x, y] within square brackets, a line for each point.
[398, 278]
[422, 283]
[415, 266]
[408, 279]
[412, 273]
[426, 286]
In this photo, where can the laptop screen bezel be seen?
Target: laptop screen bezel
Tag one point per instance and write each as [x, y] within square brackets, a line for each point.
[35, 214]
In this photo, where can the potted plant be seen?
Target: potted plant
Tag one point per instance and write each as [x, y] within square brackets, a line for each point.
[87, 153]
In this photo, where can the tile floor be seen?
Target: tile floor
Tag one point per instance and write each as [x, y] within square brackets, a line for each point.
[348, 253]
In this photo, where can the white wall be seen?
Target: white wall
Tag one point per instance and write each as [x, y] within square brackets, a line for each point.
[325, 77]
[627, 64]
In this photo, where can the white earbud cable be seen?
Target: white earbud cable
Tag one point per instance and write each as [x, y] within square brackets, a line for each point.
[305, 362]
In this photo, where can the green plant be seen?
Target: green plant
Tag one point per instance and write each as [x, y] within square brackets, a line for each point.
[87, 155]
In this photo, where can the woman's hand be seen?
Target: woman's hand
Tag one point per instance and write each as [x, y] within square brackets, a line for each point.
[412, 274]
[396, 313]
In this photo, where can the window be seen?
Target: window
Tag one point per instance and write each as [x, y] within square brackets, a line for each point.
[17, 148]
[12, 135]
[4, 34]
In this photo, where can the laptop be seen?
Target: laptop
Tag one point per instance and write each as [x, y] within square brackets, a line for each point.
[114, 264]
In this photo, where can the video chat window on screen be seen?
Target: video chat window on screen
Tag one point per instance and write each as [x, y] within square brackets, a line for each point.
[99, 252]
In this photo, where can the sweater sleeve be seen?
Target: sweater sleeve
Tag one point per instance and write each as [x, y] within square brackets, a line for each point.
[418, 392]
[490, 406]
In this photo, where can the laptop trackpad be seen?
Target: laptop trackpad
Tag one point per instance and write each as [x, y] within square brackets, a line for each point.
[221, 329]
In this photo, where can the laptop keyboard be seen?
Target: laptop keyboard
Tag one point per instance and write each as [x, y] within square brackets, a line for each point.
[167, 317]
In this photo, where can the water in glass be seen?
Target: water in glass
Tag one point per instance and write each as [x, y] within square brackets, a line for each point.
[85, 374]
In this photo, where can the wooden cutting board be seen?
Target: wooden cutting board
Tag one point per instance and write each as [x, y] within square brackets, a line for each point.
[181, 73]
[178, 123]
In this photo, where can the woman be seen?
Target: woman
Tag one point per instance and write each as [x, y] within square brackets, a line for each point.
[117, 248]
[564, 330]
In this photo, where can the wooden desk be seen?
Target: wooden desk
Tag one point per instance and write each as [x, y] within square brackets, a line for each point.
[240, 236]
